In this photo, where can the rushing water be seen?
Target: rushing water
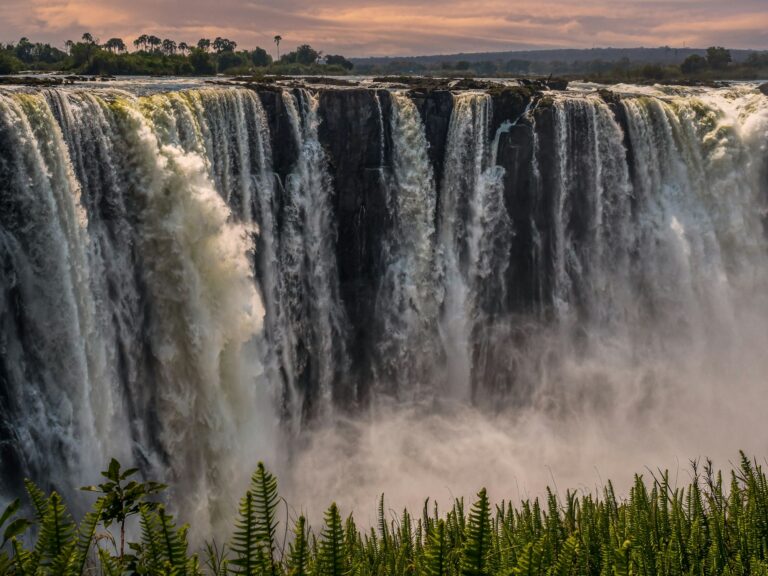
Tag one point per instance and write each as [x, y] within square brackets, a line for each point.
[169, 299]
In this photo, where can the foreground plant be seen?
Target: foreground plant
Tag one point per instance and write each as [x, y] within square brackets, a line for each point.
[706, 528]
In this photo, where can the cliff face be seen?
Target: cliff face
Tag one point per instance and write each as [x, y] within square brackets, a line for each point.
[354, 134]
[355, 131]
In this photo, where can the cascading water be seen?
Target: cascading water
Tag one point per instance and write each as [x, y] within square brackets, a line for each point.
[172, 292]
[475, 233]
[408, 298]
[141, 346]
[314, 318]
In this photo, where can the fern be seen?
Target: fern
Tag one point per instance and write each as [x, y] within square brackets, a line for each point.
[111, 566]
[478, 545]
[152, 558]
[298, 551]
[265, 501]
[331, 559]
[56, 540]
[216, 559]
[567, 560]
[245, 542]
[85, 537]
[38, 499]
[530, 561]
[436, 553]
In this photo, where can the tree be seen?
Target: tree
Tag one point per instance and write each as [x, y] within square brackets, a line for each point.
[204, 44]
[154, 42]
[141, 41]
[718, 57]
[183, 47]
[201, 61]
[115, 45]
[338, 60]
[23, 50]
[224, 45]
[304, 54]
[9, 64]
[261, 57]
[88, 38]
[757, 60]
[652, 71]
[169, 46]
[123, 499]
[277, 40]
[518, 66]
[694, 64]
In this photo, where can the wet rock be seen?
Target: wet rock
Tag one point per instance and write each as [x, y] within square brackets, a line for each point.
[35, 81]
[351, 133]
[509, 104]
[435, 107]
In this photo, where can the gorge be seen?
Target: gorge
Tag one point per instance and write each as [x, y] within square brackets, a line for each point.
[355, 281]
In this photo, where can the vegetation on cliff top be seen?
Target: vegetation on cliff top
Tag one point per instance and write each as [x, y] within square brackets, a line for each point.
[152, 55]
[155, 56]
[711, 527]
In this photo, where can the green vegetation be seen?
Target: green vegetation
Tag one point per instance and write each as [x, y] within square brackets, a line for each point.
[715, 64]
[155, 56]
[706, 528]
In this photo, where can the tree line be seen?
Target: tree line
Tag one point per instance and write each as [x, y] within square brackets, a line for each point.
[716, 63]
[153, 55]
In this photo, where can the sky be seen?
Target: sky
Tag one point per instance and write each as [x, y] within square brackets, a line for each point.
[399, 27]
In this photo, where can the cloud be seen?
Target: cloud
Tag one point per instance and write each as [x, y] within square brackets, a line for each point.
[400, 27]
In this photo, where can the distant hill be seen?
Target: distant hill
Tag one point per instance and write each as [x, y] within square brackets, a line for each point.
[662, 55]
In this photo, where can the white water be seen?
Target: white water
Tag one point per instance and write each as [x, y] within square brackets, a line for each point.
[409, 296]
[166, 299]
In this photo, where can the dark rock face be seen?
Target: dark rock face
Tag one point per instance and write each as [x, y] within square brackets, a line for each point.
[356, 135]
[509, 104]
[352, 130]
[530, 200]
[284, 149]
[355, 132]
[763, 88]
[435, 108]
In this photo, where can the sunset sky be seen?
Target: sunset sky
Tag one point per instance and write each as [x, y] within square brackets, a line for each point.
[400, 27]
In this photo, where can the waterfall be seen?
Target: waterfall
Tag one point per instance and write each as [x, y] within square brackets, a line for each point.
[475, 233]
[57, 394]
[408, 298]
[557, 271]
[315, 321]
[150, 286]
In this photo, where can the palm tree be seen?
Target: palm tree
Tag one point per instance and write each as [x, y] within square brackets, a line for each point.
[154, 42]
[115, 45]
[183, 47]
[169, 46]
[204, 44]
[277, 39]
[68, 45]
[141, 41]
[88, 38]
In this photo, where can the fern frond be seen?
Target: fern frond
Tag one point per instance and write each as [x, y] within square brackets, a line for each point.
[475, 560]
[298, 551]
[86, 532]
[331, 559]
